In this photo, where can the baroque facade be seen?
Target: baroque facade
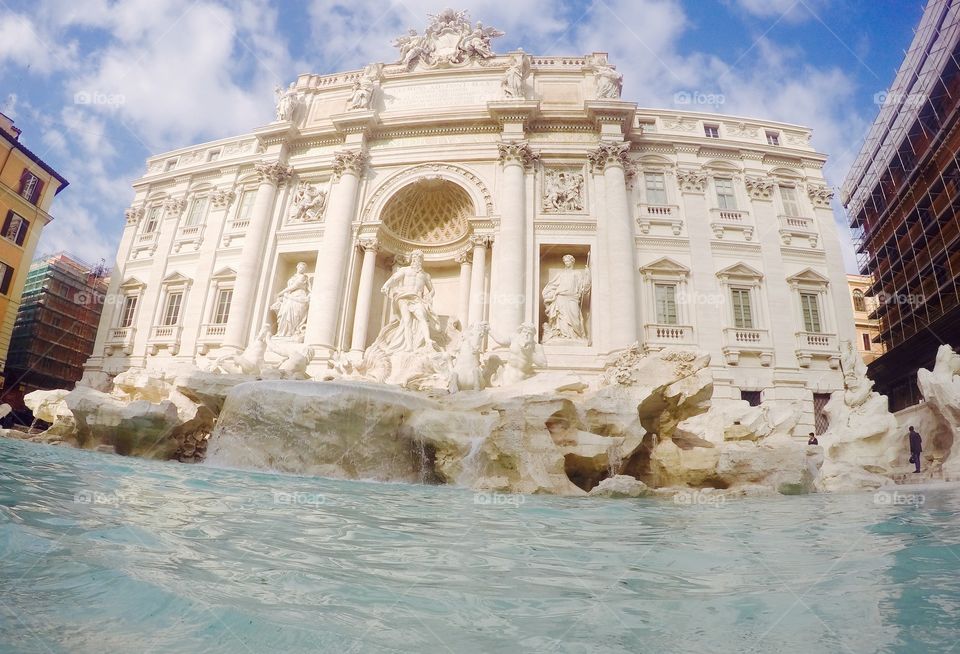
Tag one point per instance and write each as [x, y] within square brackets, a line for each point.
[532, 196]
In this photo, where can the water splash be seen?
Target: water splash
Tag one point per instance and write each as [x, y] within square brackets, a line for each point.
[614, 459]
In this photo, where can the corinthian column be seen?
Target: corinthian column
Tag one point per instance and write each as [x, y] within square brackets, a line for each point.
[361, 317]
[271, 174]
[478, 276]
[328, 281]
[617, 232]
[463, 306]
[507, 302]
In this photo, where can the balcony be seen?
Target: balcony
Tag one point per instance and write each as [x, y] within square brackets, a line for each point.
[811, 345]
[234, 229]
[212, 332]
[724, 220]
[188, 235]
[658, 336]
[659, 214]
[798, 227]
[167, 336]
[120, 337]
[738, 340]
[145, 243]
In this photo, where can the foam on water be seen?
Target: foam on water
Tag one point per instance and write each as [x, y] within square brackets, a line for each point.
[106, 554]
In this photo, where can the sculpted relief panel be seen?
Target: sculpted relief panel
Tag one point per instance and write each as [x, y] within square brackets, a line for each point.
[563, 190]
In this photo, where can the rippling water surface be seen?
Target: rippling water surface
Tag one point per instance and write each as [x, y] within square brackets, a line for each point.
[106, 554]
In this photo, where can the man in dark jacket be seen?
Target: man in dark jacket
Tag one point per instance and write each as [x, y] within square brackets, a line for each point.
[915, 448]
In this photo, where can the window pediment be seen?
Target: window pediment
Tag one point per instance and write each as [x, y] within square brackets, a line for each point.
[740, 271]
[808, 277]
[665, 267]
[132, 284]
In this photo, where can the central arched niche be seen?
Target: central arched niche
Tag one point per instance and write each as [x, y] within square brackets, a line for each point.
[428, 212]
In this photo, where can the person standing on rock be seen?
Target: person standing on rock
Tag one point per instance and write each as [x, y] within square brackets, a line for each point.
[813, 439]
[915, 448]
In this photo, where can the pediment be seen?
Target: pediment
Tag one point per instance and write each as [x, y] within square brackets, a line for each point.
[809, 276]
[740, 270]
[665, 266]
[132, 283]
[225, 273]
[176, 278]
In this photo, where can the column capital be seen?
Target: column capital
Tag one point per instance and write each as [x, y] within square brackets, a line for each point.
[820, 195]
[759, 187]
[223, 197]
[349, 161]
[272, 172]
[133, 214]
[174, 206]
[691, 180]
[516, 152]
[608, 154]
[481, 240]
[464, 258]
[368, 244]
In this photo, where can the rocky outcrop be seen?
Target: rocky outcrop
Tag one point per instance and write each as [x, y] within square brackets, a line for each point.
[941, 393]
[620, 486]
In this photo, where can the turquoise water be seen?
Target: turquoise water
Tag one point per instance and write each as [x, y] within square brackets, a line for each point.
[107, 554]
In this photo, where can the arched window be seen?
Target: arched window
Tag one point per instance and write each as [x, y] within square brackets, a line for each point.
[859, 304]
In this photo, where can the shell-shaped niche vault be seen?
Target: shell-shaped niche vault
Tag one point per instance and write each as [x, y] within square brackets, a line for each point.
[429, 212]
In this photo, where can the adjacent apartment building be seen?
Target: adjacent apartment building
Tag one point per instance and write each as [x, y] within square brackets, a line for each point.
[56, 326]
[868, 328]
[27, 188]
[903, 198]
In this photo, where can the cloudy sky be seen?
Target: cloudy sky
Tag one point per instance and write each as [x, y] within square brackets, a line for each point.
[164, 74]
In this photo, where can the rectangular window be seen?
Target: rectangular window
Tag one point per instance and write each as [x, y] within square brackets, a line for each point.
[866, 342]
[725, 197]
[128, 311]
[198, 210]
[6, 278]
[15, 228]
[222, 309]
[655, 187]
[811, 312]
[742, 309]
[753, 398]
[171, 312]
[153, 220]
[666, 298]
[791, 206]
[30, 187]
[711, 131]
[773, 138]
[246, 205]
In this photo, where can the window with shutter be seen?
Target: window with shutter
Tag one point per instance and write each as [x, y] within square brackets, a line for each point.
[811, 312]
[129, 311]
[725, 197]
[222, 310]
[742, 309]
[655, 188]
[666, 298]
[6, 278]
[791, 206]
[171, 312]
[30, 187]
[15, 228]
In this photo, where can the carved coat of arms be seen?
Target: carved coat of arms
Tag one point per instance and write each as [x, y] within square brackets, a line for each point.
[448, 40]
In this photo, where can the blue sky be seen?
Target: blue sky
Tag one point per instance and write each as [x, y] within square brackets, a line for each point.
[163, 74]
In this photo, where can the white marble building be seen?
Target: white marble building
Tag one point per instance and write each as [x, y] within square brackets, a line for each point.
[699, 229]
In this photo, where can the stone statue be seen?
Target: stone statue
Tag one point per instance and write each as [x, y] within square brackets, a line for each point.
[249, 362]
[411, 291]
[468, 363]
[857, 386]
[523, 357]
[362, 93]
[292, 303]
[308, 203]
[412, 47]
[288, 102]
[563, 192]
[294, 358]
[609, 81]
[941, 393]
[448, 40]
[562, 297]
[512, 83]
[478, 41]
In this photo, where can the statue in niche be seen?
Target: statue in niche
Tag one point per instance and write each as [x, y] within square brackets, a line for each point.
[288, 101]
[308, 203]
[292, 303]
[512, 83]
[563, 299]
[609, 81]
[362, 96]
[410, 289]
[563, 192]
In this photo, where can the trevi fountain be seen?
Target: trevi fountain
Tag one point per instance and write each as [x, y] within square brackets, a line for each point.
[413, 358]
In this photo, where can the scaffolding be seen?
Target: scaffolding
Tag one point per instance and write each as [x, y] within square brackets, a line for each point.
[55, 326]
[903, 199]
